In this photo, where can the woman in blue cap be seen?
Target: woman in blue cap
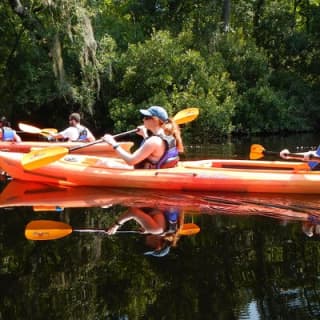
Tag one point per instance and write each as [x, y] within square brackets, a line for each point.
[158, 150]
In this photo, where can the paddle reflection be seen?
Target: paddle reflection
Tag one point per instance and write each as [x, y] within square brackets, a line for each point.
[162, 228]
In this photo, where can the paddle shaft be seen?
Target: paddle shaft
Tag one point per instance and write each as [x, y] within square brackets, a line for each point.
[51, 230]
[271, 153]
[297, 156]
[294, 156]
[104, 231]
[119, 135]
[258, 151]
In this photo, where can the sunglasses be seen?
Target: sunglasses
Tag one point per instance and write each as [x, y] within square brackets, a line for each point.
[147, 118]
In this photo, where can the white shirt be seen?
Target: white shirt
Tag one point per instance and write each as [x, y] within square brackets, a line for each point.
[72, 133]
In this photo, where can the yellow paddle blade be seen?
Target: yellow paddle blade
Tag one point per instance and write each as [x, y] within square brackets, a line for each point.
[256, 152]
[41, 157]
[47, 132]
[28, 128]
[189, 229]
[34, 130]
[46, 230]
[186, 115]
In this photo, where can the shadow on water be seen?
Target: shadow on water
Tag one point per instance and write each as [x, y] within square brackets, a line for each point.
[253, 257]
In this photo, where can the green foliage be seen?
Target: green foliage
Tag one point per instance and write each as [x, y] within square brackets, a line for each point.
[251, 70]
[160, 71]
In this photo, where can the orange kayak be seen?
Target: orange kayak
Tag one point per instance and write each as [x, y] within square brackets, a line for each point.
[43, 197]
[99, 149]
[205, 175]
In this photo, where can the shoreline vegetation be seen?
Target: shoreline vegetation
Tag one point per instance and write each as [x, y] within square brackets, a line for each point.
[251, 68]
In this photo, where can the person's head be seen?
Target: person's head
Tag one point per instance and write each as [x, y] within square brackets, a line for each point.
[160, 246]
[154, 117]
[74, 118]
[308, 229]
[4, 122]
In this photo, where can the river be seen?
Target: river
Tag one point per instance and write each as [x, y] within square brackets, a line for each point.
[253, 256]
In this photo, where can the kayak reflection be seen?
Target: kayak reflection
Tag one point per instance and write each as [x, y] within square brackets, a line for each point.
[42, 196]
[148, 203]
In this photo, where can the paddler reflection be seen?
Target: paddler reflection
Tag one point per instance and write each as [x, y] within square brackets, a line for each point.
[311, 227]
[163, 228]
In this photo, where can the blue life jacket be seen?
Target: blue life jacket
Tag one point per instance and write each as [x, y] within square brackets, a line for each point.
[315, 165]
[172, 218]
[7, 134]
[169, 159]
[171, 156]
[83, 134]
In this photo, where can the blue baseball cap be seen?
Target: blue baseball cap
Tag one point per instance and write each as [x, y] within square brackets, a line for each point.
[155, 111]
[158, 253]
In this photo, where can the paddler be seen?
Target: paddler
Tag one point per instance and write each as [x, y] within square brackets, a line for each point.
[75, 132]
[160, 226]
[6, 132]
[307, 156]
[161, 145]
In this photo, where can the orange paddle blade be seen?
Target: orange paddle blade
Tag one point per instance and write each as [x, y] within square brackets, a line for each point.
[186, 115]
[46, 230]
[256, 152]
[47, 208]
[189, 229]
[41, 157]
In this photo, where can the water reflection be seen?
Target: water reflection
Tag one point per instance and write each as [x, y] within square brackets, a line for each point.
[251, 259]
[162, 228]
[162, 213]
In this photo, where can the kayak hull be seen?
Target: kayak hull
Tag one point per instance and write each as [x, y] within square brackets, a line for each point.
[99, 149]
[206, 175]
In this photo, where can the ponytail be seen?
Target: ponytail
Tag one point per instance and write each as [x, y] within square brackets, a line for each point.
[172, 128]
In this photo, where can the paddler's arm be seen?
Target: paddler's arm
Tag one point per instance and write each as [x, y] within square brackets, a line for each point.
[285, 154]
[154, 223]
[139, 155]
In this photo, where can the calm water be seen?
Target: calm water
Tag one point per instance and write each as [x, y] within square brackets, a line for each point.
[252, 258]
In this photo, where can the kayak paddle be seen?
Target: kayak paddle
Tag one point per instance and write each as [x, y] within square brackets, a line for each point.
[186, 115]
[51, 230]
[34, 130]
[257, 151]
[39, 158]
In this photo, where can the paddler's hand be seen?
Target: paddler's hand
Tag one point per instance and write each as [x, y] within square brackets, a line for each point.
[308, 155]
[109, 139]
[142, 131]
[284, 153]
[51, 138]
[113, 229]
